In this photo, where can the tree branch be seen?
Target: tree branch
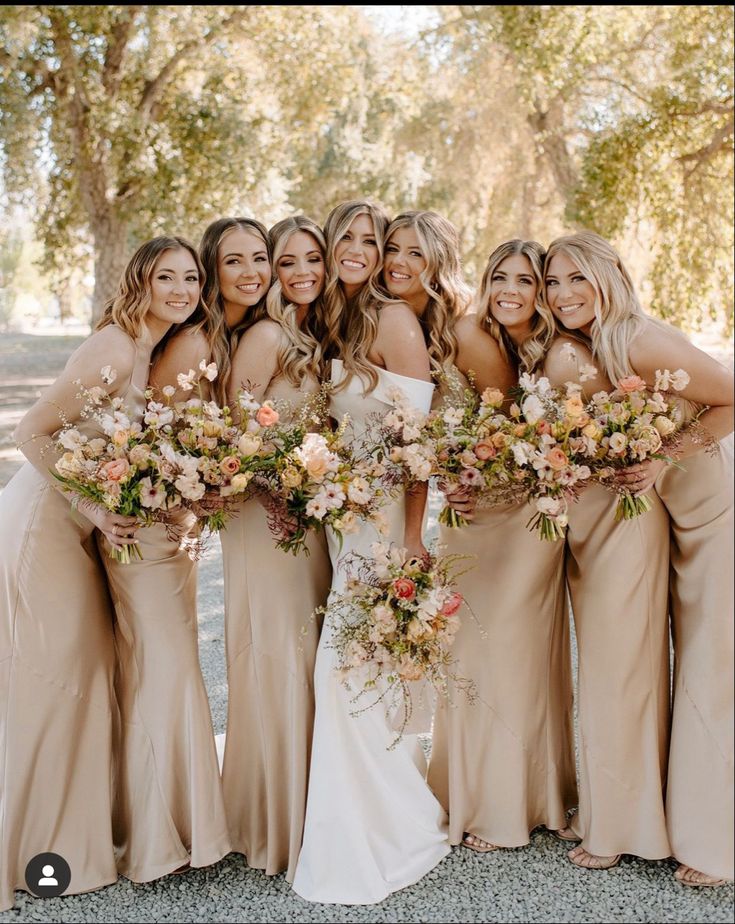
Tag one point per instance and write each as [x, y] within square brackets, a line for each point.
[116, 48]
[719, 142]
[154, 89]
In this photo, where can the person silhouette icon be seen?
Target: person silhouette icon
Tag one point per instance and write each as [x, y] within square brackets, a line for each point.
[47, 878]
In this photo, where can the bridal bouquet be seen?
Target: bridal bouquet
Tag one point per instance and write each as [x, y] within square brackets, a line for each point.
[394, 623]
[632, 424]
[315, 481]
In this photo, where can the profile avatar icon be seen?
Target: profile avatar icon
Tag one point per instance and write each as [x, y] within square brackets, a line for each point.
[48, 876]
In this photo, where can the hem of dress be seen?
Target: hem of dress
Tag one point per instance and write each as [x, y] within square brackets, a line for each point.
[720, 873]
[150, 874]
[445, 851]
[456, 839]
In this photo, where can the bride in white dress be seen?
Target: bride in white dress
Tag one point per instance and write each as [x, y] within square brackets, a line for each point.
[372, 825]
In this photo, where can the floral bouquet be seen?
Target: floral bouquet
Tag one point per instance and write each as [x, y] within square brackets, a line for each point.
[470, 447]
[399, 439]
[316, 481]
[394, 623]
[202, 453]
[119, 470]
[632, 424]
[549, 454]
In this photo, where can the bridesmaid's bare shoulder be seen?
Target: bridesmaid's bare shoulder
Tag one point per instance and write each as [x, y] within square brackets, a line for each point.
[479, 356]
[184, 351]
[110, 346]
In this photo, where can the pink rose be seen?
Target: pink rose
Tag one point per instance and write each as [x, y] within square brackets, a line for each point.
[115, 470]
[267, 416]
[404, 588]
[631, 383]
[229, 465]
[485, 450]
[557, 459]
[453, 604]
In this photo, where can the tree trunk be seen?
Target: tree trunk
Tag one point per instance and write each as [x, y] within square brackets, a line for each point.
[110, 258]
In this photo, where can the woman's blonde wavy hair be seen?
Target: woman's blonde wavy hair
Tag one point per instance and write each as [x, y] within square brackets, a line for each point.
[529, 355]
[302, 355]
[210, 319]
[129, 306]
[350, 325]
[619, 317]
[443, 282]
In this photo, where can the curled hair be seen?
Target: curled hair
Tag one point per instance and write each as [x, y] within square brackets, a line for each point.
[302, 353]
[350, 325]
[442, 280]
[619, 317]
[129, 306]
[211, 318]
[531, 352]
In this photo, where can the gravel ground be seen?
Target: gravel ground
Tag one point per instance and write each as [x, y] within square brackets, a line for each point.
[534, 883]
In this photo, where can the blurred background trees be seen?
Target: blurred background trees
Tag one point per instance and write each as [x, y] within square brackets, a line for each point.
[118, 123]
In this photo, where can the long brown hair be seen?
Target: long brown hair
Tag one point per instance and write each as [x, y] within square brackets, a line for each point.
[131, 302]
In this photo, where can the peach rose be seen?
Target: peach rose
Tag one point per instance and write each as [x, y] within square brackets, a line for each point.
[267, 416]
[557, 459]
[485, 450]
[229, 465]
[493, 396]
[631, 383]
[115, 470]
[574, 407]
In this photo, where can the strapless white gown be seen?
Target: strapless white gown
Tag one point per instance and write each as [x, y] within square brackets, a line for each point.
[373, 826]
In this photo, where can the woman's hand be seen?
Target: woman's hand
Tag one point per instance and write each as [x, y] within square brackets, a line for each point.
[461, 500]
[639, 478]
[415, 548]
[118, 530]
[210, 502]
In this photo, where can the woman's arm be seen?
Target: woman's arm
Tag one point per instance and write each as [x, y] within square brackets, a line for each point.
[255, 362]
[62, 403]
[480, 359]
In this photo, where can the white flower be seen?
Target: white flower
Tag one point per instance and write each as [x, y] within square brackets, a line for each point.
[186, 382]
[551, 506]
[664, 425]
[679, 380]
[618, 442]
[247, 402]
[453, 416]
[72, 439]
[190, 486]
[358, 491]
[152, 495]
[157, 415]
[169, 391]
[210, 371]
[522, 453]
[587, 372]
[568, 353]
[249, 444]
[533, 409]
[108, 375]
[316, 508]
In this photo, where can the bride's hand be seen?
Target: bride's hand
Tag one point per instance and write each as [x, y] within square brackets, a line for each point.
[415, 548]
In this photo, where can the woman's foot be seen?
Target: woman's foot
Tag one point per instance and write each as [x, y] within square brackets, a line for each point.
[477, 844]
[566, 834]
[581, 857]
[689, 876]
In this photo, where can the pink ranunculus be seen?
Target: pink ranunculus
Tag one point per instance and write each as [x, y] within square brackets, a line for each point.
[267, 416]
[229, 465]
[452, 604]
[543, 426]
[631, 383]
[404, 588]
[115, 470]
[485, 450]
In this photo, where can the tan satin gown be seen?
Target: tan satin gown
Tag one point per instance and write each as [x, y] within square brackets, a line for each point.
[618, 582]
[504, 764]
[57, 659]
[699, 796]
[271, 644]
[169, 810]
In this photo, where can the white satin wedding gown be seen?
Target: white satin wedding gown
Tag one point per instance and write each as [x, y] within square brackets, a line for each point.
[373, 825]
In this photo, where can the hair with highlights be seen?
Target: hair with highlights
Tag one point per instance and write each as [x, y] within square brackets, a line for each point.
[529, 354]
[211, 318]
[619, 317]
[442, 279]
[302, 354]
[129, 306]
[350, 325]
